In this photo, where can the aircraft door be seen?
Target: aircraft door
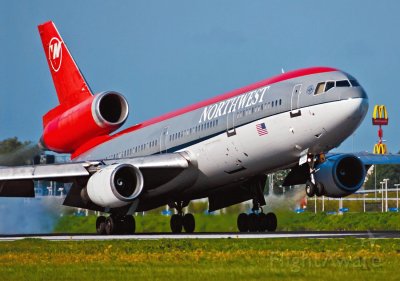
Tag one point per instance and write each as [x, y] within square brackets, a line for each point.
[230, 124]
[163, 140]
[295, 101]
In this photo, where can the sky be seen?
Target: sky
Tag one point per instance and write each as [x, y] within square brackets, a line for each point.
[163, 55]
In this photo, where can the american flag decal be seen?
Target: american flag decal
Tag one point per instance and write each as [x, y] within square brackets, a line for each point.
[261, 129]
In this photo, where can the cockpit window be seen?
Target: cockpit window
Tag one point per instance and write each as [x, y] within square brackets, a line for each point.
[343, 83]
[329, 85]
[320, 88]
[354, 83]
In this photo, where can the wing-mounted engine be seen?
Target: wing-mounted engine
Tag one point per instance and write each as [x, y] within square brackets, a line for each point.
[340, 175]
[114, 186]
[97, 115]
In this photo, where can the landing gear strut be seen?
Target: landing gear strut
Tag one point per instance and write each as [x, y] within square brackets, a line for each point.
[181, 221]
[115, 225]
[312, 186]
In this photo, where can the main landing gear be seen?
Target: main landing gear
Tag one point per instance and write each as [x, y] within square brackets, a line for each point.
[115, 225]
[257, 222]
[181, 221]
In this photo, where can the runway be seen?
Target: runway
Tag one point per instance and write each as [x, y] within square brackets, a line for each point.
[232, 235]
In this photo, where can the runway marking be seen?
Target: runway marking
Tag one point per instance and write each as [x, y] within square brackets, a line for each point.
[155, 236]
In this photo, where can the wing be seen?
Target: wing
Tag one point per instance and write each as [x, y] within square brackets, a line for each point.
[156, 170]
[378, 159]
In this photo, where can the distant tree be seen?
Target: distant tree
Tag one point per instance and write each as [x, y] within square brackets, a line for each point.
[11, 145]
[391, 172]
[14, 152]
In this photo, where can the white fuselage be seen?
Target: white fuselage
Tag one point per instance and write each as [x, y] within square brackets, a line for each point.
[226, 144]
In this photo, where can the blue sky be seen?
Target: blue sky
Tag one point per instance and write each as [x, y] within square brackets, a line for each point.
[163, 55]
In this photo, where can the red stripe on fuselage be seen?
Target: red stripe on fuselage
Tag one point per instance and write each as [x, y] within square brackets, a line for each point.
[279, 78]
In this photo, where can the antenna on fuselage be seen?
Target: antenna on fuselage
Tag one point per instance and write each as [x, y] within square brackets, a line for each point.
[283, 71]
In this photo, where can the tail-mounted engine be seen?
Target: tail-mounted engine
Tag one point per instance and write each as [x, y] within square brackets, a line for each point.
[114, 186]
[98, 115]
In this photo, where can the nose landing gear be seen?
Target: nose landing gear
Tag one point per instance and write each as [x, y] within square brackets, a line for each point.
[312, 186]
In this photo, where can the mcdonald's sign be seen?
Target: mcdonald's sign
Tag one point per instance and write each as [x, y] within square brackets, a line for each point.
[380, 148]
[380, 116]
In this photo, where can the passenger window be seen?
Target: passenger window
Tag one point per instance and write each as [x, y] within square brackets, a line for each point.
[343, 83]
[320, 88]
[329, 85]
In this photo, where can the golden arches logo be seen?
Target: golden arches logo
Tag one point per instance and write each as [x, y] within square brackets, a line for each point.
[380, 116]
[380, 148]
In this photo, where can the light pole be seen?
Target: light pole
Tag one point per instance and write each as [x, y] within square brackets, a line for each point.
[375, 178]
[386, 194]
[382, 183]
[364, 202]
[397, 196]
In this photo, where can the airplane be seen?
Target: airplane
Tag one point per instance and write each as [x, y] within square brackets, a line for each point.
[220, 149]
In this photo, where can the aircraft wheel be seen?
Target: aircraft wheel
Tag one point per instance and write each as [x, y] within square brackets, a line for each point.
[101, 225]
[130, 224]
[110, 225]
[310, 189]
[189, 223]
[253, 222]
[272, 222]
[243, 222]
[176, 223]
[319, 189]
[262, 222]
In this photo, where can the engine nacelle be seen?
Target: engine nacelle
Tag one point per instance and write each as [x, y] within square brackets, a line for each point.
[114, 186]
[98, 115]
[340, 175]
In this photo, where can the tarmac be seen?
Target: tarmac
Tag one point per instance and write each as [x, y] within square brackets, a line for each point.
[224, 235]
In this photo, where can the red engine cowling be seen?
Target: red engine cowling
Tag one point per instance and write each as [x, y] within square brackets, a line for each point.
[98, 115]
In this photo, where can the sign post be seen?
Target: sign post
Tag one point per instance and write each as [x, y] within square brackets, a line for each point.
[380, 118]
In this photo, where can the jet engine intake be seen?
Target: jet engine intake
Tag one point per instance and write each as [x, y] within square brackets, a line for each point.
[340, 175]
[115, 186]
[65, 130]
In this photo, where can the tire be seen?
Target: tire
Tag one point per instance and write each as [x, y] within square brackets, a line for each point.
[272, 222]
[319, 189]
[253, 222]
[310, 189]
[176, 223]
[110, 225]
[130, 225]
[101, 225]
[189, 223]
[243, 222]
[262, 222]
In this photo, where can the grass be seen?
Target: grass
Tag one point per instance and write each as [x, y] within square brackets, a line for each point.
[223, 259]
[287, 221]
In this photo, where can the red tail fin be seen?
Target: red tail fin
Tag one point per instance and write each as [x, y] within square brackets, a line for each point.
[69, 82]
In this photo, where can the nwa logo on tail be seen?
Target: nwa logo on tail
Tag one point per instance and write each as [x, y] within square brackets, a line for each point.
[55, 53]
